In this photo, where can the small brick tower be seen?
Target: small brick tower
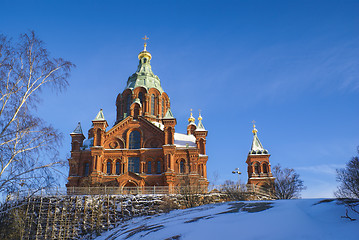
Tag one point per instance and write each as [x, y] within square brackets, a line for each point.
[259, 168]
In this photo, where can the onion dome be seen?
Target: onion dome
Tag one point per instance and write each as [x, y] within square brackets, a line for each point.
[144, 53]
[144, 76]
[191, 119]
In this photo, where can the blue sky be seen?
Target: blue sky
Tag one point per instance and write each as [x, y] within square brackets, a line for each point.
[292, 66]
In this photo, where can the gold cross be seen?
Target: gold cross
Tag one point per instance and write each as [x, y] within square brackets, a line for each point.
[253, 122]
[145, 38]
[145, 44]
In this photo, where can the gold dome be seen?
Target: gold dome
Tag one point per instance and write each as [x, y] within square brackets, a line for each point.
[254, 131]
[191, 119]
[144, 53]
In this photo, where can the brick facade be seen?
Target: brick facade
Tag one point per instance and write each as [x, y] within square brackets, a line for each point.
[142, 148]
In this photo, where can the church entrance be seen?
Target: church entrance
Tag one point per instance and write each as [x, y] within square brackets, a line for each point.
[130, 188]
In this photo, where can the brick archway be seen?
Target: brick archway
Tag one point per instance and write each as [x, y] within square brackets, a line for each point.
[130, 183]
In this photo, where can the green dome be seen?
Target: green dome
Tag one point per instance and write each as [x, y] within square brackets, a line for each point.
[144, 76]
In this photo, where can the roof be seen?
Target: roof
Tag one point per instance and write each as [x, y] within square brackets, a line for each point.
[78, 129]
[100, 116]
[144, 77]
[169, 114]
[181, 140]
[257, 147]
[200, 126]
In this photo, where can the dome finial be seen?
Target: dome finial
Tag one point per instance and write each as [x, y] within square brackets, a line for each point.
[254, 131]
[191, 119]
[145, 53]
[200, 117]
[145, 44]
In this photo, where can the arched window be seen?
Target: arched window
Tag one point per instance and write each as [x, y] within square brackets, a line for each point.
[163, 107]
[135, 140]
[182, 166]
[153, 104]
[159, 167]
[86, 169]
[128, 104]
[265, 168]
[169, 135]
[256, 168]
[201, 146]
[108, 168]
[140, 96]
[134, 164]
[149, 169]
[118, 168]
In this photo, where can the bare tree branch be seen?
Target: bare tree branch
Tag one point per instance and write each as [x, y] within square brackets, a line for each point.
[28, 146]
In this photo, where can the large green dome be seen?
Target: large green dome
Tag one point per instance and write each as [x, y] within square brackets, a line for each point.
[144, 76]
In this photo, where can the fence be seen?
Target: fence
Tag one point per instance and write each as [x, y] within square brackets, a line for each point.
[145, 190]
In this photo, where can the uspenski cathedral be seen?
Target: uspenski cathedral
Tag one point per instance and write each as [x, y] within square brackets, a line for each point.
[142, 148]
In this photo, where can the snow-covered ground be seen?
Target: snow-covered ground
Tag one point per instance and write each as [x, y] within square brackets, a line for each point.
[307, 219]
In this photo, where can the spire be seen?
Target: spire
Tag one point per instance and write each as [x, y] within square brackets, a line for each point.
[78, 129]
[100, 116]
[200, 126]
[191, 119]
[257, 147]
[169, 114]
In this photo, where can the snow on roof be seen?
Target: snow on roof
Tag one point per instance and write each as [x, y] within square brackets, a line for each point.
[87, 144]
[159, 125]
[181, 140]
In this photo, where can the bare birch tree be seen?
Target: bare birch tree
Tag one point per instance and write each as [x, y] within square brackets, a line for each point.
[28, 145]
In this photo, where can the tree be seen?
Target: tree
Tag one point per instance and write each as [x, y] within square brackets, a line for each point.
[233, 191]
[28, 145]
[348, 190]
[349, 179]
[287, 184]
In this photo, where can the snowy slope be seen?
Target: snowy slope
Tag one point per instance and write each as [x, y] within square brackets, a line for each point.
[281, 219]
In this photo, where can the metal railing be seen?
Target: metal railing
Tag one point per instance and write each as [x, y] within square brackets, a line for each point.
[145, 190]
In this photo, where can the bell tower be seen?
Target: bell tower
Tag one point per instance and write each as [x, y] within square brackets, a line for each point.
[259, 168]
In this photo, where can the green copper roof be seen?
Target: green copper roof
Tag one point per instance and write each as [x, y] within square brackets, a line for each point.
[78, 129]
[100, 116]
[144, 76]
[200, 126]
[169, 114]
[257, 147]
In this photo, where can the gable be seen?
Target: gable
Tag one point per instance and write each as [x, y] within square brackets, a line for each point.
[117, 137]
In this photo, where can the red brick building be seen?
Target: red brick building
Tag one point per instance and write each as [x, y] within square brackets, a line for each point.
[142, 148]
[259, 168]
